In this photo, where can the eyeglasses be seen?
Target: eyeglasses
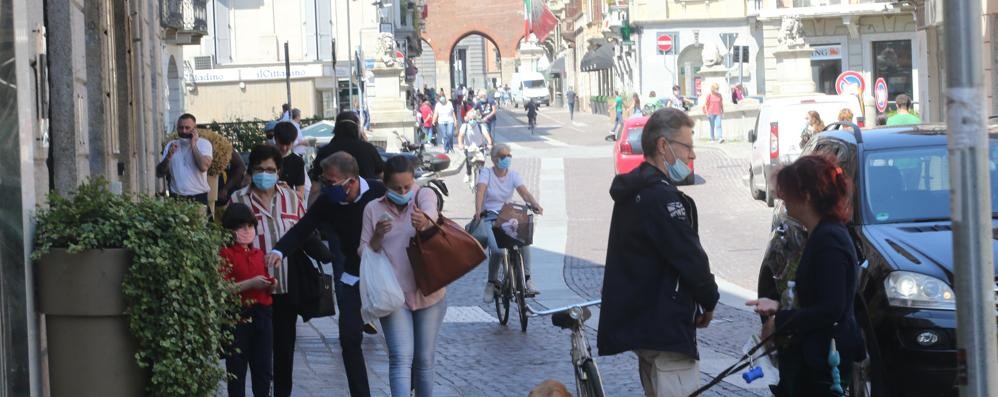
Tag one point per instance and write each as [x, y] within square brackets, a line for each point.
[329, 182]
[687, 146]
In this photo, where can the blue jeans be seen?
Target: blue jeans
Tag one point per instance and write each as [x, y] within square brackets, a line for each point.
[495, 253]
[412, 340]
[618, 123]
[427, 134]
[715, 127]
[447, 131]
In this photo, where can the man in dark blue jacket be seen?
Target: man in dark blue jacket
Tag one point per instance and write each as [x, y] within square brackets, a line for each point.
[340, 205]
[657, 288]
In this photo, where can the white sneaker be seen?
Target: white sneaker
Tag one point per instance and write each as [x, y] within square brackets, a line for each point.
[489, 295]
[531, 289]
[467, 178]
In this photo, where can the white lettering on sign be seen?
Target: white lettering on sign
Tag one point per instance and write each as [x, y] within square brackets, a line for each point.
[256, 74]
[826, 52]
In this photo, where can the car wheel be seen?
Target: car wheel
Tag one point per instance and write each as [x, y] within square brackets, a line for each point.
[756, 194]
[868, 375]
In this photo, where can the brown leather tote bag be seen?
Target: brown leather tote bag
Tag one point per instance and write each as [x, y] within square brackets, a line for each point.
[442, 254]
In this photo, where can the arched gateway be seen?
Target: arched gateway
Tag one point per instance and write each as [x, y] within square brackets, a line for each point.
[449, 21]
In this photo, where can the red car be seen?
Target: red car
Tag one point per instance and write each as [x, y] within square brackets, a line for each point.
[627, 153]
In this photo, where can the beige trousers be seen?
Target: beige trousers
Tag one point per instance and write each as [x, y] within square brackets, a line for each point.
[668, 374]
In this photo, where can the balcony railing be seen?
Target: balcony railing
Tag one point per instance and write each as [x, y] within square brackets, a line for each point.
[185, 21]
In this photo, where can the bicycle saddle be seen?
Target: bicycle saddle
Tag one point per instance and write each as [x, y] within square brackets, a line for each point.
[564, 319]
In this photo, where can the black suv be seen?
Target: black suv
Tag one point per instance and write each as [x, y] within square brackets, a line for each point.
[901, 226]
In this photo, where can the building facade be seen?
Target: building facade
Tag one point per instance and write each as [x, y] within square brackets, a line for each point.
[878, 39]
[87, 93]
[673, 37]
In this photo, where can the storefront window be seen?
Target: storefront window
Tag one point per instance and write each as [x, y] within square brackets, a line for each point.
[892, 61]
[826, 65]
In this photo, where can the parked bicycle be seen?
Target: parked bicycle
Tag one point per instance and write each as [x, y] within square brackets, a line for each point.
[512, 277]
[587, 378]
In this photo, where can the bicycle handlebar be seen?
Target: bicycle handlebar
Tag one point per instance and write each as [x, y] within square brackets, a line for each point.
[561, 309]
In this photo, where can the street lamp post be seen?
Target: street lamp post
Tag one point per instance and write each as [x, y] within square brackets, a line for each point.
[973, 271]
[350, 48]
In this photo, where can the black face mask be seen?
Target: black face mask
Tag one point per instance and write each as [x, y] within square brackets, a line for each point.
[185, 136]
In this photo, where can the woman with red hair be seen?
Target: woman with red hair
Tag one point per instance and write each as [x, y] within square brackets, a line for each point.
[819, 322]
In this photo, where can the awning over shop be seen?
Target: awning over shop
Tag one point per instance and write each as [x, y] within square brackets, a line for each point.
[558, 66]
[600, 58]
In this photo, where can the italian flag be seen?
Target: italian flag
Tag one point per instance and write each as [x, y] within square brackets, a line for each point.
[537, 19]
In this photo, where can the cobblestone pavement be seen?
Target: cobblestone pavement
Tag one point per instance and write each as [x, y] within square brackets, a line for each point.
[477, 357]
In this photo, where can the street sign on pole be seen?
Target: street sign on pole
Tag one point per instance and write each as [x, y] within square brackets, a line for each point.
[880, 94]
[666, 43]
[970, 201]
[729, 40]
[850, 83]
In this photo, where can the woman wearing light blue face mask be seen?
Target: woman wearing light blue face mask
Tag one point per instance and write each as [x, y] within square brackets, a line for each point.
[473, 136]
[495, 187]
[389, 224]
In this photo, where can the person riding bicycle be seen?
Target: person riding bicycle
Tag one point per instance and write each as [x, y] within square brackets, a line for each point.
[473, 136]
[495, 187]
[531, 109]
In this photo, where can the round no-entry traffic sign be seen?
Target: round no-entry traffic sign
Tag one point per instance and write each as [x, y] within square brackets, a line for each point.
[664, 42]
[850, 83]
[880, 94]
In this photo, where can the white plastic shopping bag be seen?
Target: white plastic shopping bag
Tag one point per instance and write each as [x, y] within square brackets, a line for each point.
[380, 293]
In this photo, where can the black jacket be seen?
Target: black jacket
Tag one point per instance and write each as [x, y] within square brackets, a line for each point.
[345, 219]
[368, 159]
[656, 271]
[825, 290]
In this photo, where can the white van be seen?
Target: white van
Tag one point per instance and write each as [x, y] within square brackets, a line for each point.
[777, 134]
[529, 85]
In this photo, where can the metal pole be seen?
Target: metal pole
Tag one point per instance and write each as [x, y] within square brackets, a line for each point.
[970, 195]
[287, 72]
[350, 47]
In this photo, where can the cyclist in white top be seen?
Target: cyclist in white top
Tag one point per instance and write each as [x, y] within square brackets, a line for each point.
[472, 137]
[495, 187]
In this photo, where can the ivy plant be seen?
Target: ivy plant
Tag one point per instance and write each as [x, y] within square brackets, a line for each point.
[179, 306]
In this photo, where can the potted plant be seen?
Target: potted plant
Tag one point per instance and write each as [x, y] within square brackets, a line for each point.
[134, 299]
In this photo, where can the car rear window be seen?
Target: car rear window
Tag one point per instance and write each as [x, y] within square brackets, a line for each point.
[634, 139]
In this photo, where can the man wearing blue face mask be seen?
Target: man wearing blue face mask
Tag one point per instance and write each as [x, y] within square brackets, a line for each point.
[340, 206]
[657, 286]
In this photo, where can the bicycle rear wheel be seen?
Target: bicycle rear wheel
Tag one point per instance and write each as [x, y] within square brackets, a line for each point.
[501, 295]
[592, 385]
[516, 263]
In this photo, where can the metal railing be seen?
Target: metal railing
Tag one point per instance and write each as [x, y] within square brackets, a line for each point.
[184, 15]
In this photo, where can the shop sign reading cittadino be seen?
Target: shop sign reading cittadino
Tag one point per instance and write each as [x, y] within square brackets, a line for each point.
[255, 73]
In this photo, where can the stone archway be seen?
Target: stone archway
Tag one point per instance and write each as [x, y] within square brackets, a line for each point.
[689, 62]
[475, 62]
[449, 21]
[174, 94]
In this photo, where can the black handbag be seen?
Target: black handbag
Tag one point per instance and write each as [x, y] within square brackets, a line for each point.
[317, 286]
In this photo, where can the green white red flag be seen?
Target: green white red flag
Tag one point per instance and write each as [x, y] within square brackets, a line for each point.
[537, 19]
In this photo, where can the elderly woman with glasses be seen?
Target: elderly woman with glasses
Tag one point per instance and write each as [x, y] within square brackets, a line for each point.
[495, 187]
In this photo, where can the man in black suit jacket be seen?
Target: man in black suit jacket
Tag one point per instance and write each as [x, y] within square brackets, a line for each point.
[340, 206]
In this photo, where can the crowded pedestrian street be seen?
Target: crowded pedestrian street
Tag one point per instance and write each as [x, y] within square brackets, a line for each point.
[570, 166]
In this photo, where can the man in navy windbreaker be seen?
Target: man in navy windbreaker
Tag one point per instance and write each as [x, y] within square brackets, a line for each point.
[657, 287]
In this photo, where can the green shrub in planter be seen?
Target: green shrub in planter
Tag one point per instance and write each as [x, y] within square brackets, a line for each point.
[179, 307]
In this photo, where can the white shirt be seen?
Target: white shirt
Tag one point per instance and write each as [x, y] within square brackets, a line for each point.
[499, 190]
[185, 177]
[299, 145]
[445, 112]
[474, 137]
[674, 102]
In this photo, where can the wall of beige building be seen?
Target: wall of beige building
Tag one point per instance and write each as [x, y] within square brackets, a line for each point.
[261, 100]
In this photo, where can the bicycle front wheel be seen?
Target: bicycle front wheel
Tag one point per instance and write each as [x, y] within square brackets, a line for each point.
[501, 295]
[516, 262]
[589, 382]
